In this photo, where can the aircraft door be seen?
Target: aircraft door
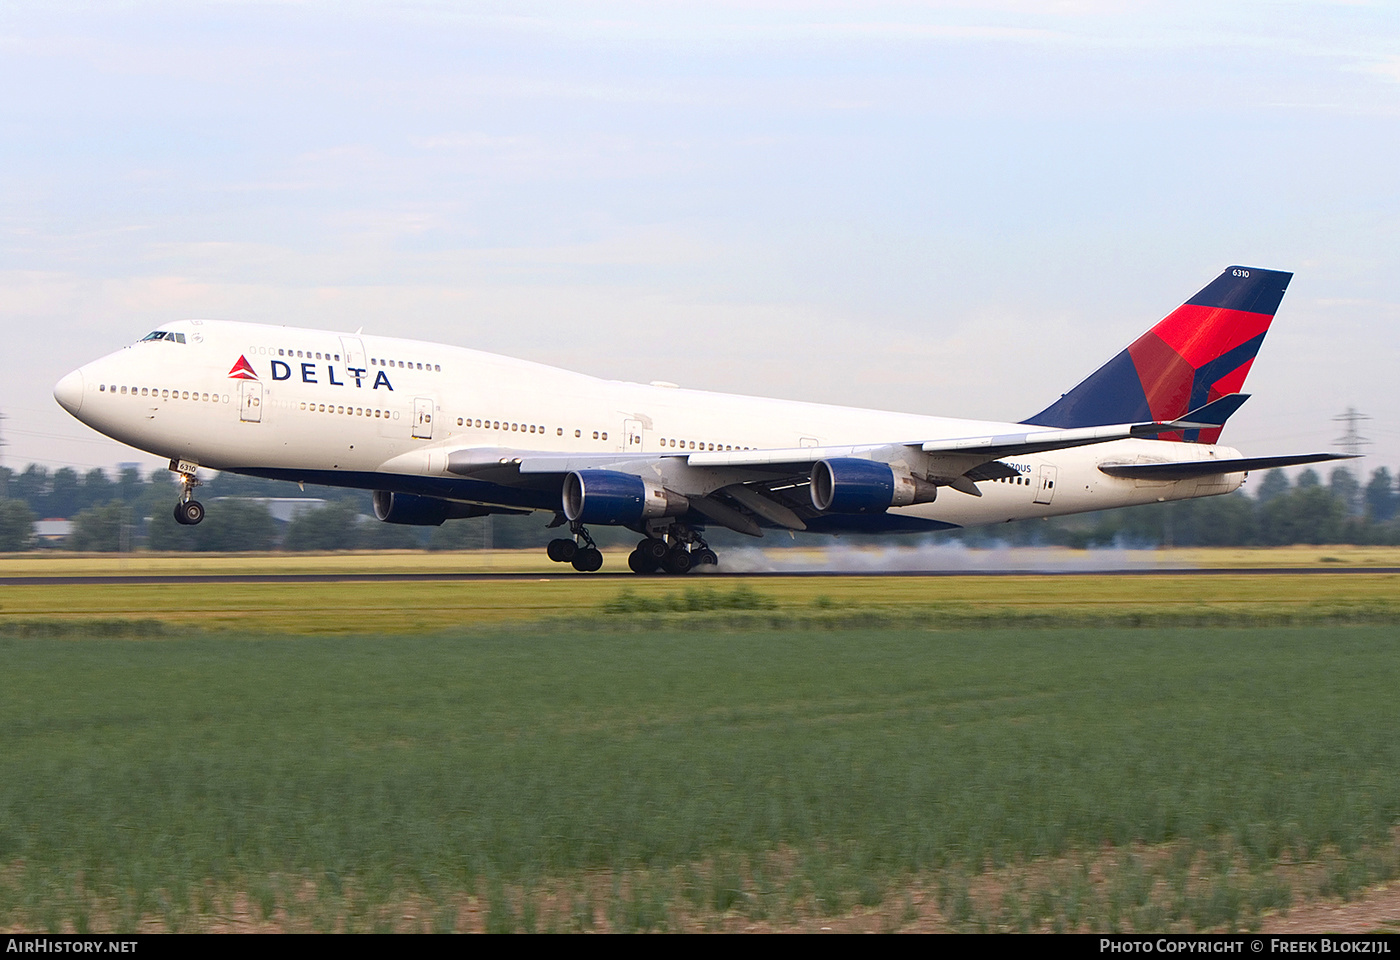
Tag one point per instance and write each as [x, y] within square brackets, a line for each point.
[354, 352]
[250, 405]
[423, 418]
[632, 436]
[1045, 491]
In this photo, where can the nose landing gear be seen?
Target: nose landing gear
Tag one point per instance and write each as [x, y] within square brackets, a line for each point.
[188, 510]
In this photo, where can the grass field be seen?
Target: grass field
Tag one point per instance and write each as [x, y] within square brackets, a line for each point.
[413, 607]
[955, 753]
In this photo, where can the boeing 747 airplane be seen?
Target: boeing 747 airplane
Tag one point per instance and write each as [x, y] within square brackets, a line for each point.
[441, 432]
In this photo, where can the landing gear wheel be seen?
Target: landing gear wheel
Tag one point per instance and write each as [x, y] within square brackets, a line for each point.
[189, 512]
[561, 550]
[641, 562]
[705, 557]
[654, 549]
[587, 560]
[678, 561]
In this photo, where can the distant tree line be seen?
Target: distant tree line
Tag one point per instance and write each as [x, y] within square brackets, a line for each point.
[135, 511]
[132, 511]
[1279, 513]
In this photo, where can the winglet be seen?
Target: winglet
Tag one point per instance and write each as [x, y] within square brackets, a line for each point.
[1215, 413]
[1211, 416]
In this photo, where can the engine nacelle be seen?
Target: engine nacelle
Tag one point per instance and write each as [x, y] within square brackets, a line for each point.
[613, 498]
[849, 485]
[408, 508]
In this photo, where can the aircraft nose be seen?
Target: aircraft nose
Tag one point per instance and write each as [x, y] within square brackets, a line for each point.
[69, 392]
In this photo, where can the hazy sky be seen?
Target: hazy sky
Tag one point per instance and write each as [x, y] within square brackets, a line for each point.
[945, 208]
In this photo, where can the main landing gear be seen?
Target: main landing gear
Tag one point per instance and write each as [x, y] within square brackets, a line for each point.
[581, 551]
[678, 549]
[188, 510]
[681, 551]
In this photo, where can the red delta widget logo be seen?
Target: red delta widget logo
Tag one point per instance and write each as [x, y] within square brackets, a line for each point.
[242, 370]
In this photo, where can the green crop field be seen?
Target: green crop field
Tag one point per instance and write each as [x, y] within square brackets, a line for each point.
[1222, 598]
[1006, 753]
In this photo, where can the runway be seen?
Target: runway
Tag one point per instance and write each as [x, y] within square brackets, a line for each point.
[206, 578]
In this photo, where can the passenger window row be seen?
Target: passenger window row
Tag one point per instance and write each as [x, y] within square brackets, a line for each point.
[597, 434]
[409, 365]
[162, 394]
[351, 411]
[692, 445]
[324, 354]
[328, 355]
[291, 354]
[522, 427]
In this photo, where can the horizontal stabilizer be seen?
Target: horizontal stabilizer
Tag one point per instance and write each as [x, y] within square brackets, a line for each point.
[1189, 469]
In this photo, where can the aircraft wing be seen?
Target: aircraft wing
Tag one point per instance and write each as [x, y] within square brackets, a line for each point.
[956, 456]
[741, 489]
[971, 452]
[954, 461]
[490, 463]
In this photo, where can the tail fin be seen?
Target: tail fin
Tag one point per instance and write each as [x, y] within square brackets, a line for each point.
[1200, 352]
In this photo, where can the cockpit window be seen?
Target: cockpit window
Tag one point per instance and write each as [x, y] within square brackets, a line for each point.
[164, 335]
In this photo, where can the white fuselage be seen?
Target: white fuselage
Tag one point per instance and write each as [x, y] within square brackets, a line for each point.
[333, 403]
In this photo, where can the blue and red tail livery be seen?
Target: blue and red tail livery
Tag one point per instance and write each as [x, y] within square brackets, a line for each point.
[1202, 351]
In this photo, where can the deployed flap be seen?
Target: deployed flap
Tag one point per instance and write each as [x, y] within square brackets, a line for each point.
[726, 516]
[770, 510]
[992, 470]
[964, 485]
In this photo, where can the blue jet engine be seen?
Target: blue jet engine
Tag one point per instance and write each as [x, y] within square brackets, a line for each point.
[850, 485]
[613, 498]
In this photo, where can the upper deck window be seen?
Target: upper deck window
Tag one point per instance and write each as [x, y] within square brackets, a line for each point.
[164, 335]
